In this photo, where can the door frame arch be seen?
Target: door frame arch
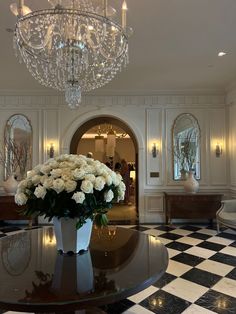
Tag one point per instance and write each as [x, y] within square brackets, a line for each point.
[113, 121]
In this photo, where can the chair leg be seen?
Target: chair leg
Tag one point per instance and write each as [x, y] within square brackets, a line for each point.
[218, 226]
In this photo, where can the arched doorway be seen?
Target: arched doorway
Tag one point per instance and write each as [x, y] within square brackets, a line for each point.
[79, 137]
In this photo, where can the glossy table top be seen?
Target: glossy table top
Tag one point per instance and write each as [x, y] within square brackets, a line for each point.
[35, 277]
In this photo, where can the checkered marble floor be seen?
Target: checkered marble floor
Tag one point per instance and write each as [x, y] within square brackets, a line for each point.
[200, 278]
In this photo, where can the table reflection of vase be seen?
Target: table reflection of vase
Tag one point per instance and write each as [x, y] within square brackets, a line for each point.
[80, 270]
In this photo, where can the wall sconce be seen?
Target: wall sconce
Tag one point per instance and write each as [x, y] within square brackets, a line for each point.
[51, 151]
[218, 150]
[155, 150]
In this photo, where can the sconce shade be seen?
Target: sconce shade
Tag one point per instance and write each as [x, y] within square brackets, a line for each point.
[218, 150]
[154, 150]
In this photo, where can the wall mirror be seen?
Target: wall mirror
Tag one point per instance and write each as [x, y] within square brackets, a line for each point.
[186, 146]
[17, 146]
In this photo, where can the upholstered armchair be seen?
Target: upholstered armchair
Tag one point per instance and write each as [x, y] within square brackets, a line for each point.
[226, 215]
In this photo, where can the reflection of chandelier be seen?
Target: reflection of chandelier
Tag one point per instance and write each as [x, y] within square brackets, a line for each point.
[73, 46]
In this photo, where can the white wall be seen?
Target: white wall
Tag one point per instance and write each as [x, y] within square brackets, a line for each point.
[151, 119]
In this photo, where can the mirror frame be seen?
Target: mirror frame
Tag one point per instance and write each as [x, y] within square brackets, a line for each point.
[175, 156]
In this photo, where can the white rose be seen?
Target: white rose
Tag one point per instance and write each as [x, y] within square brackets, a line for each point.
[37, 169]
[53, 164]
[87, 186]
[90, 177]
[70, 186]
[40, 192]
[36, 179]
[79, 197]
[58, 185]
[48, 183]
[78, 174]
[31, 174]
[122, 186]
[121, 196]
[45, 169]
[108, 179]
[20, 199]
[99, 183]
[117, 179]
[23, 184]
[56, 173]
[108, 196]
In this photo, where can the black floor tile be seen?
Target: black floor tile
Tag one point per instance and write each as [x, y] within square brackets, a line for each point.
[140, 228]
[201, 277]
[224, 258]
[211, 246]
[233, 244]
[164, 280]
[178, 246]
[188, 259]
[191, 228]
[227, 235]
[170, 236]
[217, 302]
[118, 307]
[165, 228]
[232, 275]
[162, 302]
[198, 235]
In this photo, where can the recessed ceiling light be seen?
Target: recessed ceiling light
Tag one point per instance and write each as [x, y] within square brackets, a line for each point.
[221, 54]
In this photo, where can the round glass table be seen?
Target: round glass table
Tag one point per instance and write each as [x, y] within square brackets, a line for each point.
[36, 278]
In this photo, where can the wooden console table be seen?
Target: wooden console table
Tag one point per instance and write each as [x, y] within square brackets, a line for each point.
[191, 206]
[9, 210]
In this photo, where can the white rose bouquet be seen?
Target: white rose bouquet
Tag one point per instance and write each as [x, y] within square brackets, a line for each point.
[72, 186]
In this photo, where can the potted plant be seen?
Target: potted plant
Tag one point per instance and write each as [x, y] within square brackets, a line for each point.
[73, 191]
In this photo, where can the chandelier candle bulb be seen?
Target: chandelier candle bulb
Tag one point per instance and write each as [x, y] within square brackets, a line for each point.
[124, 13]
[105, 8]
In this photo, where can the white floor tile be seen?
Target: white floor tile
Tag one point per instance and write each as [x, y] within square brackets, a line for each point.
[195, 309]
[137, 309]
[165, 241]
[154, 232]
[138, 297]
[226, 286]
[172, 252]
[201, 252]
[220, 240]
[177, 269]
[208, 231]
[181, 232]
[185, 289]
[230, 250]
[215, 267]
[190, 241]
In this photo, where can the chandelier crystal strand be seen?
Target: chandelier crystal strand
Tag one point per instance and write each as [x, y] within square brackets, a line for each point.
[73, 46]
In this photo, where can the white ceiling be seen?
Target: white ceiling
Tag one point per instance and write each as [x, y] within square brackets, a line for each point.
[174, 48]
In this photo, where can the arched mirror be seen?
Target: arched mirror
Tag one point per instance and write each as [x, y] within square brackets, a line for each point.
[17, 146]
[186, 146]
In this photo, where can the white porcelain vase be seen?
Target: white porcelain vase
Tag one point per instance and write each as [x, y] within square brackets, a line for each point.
[191, 185]
[10, 185]
[70, 239]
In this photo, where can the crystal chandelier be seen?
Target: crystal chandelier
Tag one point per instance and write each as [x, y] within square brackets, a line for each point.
[73, 46]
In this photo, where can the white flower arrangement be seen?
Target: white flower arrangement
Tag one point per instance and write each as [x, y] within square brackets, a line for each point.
[72, 186]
